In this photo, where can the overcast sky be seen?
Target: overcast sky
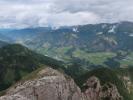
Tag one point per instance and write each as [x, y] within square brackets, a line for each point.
[34, 13]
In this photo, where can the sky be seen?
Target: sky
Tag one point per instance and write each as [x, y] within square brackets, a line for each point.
[42, 13]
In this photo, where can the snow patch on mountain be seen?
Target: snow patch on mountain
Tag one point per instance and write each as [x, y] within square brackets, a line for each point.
[75, 30]
[112, 29]
[131, 35]
[55, 28]
[99, 33]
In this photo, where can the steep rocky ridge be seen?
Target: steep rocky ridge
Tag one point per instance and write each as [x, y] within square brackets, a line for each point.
[49, 84]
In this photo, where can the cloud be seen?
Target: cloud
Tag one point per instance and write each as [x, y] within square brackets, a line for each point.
[35, 13]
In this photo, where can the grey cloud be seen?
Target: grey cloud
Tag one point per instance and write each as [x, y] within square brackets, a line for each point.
[34, 13]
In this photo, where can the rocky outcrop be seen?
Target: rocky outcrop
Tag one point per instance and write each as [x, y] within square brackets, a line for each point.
[95, 91]
[50, 84]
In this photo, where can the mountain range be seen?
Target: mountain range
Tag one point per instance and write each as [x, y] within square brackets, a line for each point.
[99, 37]
[99, 42]
[92, 62]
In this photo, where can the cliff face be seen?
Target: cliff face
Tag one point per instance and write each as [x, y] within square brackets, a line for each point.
[50, 84]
